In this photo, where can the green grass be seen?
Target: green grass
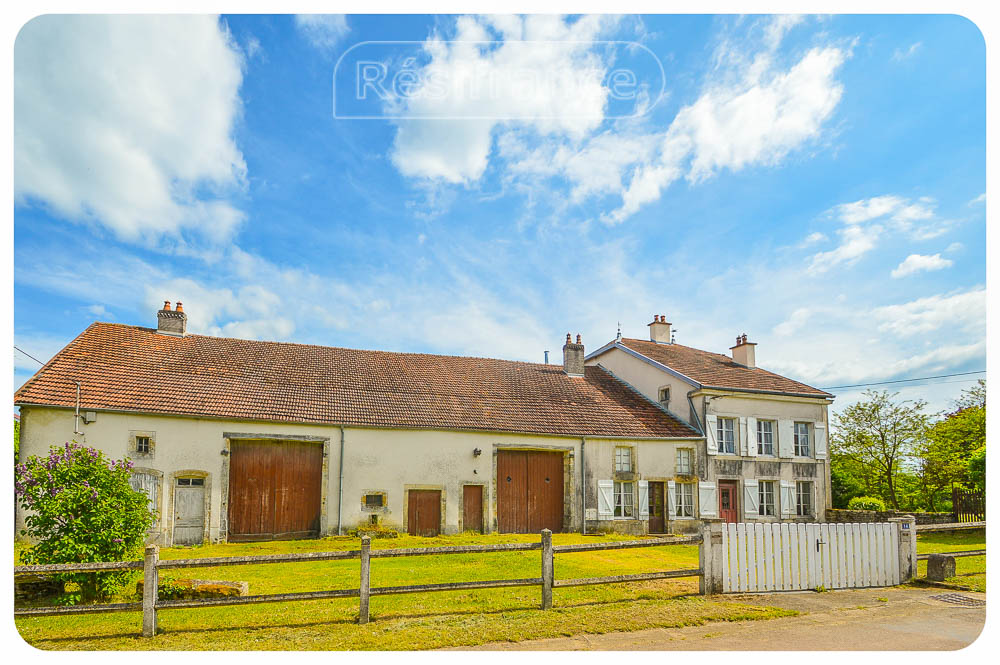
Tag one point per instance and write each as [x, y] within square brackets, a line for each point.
[971, 570]
[417, 621]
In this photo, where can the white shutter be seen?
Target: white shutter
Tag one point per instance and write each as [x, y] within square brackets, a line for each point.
[643, 499]
[605, 499]
[672, 499]
[787, 498]
[712, 429]
[708, 501]
[741, 443]
[785, 433]
[751, 437]
[819, 440]
[750, 500]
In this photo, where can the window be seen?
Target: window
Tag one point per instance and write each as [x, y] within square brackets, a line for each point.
[665, 397]
[624, 499]
[142, 445]
[801, 439]
[803, 498]
[684, 460]
[765, 496]
[684, 499]
[726, 435]
[765, 438]
[191, 482]
[623, 459]
[374, 500]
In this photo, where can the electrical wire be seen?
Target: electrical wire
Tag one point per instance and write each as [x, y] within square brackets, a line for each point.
[921, 378]
[29, 355]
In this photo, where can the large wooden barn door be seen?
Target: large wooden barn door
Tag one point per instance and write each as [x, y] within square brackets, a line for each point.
[275, 490]
[529, 491]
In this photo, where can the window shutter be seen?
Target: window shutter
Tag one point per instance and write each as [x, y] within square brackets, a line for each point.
[750, 500]
[708, 501]
[643, 498]
[787, 498]
[605, 499]
[785, 433]
[751, 437]
[819, 440]
[741, 437]
[712, 425]
[672, 498]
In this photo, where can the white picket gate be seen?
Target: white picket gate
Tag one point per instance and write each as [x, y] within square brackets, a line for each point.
[789, 557]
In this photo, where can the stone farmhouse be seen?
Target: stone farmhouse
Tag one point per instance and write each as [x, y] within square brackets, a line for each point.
[246, 440]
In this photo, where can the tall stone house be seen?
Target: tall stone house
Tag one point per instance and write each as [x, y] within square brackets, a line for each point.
[764, 455]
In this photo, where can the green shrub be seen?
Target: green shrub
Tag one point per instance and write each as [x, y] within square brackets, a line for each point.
[866, 503]
[81, 508]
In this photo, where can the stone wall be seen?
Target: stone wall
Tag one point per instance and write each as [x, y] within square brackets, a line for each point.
[839, 515]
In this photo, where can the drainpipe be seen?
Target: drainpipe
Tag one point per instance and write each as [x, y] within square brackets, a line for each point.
[583, 482]
[340, 488]
[76, 417]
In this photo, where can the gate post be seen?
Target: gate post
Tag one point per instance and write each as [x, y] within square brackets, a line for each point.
[906, 527]
[150, 590]
[710, 559]
[364, 588]
[548, 569]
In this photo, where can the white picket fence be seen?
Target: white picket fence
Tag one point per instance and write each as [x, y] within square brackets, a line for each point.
[789, 557]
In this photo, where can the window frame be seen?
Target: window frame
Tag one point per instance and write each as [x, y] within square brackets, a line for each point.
[618, 465]
[665, 403]
[688, 469]
[797, 448]
[760, 436]
[620, 490]
[799, 508]
[720, 432]
[680, 504]
[766, 490]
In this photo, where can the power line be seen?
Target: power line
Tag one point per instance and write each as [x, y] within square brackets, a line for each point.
[921, 378]
[29, 355]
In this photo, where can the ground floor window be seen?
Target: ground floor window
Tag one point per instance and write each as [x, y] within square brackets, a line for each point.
[765, 495]
[684, 496]
[803, 498]
[624, 499]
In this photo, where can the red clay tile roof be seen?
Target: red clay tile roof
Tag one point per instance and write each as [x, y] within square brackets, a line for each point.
[127, 368]
[714, 370]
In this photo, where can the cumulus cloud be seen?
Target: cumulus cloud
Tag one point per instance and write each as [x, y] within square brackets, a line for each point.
[814, 238]
[855, 242]
[127, 122]
[323, 31]
[964, 311]
[920, 263]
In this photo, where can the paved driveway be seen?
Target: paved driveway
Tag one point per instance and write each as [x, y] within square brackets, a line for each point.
[839, 620]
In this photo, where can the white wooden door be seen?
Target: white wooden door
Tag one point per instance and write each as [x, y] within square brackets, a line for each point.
[789, 557]
[189, 511]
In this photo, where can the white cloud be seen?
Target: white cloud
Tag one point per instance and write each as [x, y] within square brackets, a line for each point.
[919, 262]
[813, 239]
[855, 242]
[793, 323]
[965, 311]
[979, 199]
[901, 54]
[868, 209]
[323, 31]
[100, 311]
[127, 120]
[954, 247]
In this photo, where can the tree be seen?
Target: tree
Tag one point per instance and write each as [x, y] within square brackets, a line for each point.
[81, 508]
[881, 436]
[953, 442]
[845, 482]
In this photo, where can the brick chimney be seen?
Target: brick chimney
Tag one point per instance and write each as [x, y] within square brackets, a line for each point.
[573, 357]
[171, 322]
[659, 329]
[743, 352]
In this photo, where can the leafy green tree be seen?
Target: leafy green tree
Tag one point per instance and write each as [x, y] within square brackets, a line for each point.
[845, 484]
[81, 508]
[881, 436]
[951, 444]
[17, 440]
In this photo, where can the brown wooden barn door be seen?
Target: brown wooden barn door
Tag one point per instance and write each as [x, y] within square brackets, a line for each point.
[512, 491]
[472, 508]
[423, 513]
[529, 491]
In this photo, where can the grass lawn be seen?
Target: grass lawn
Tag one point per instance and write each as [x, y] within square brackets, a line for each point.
[417, 621]
[971, 570]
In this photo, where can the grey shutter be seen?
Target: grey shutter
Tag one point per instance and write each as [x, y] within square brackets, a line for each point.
[711, 434]
[750, 500]
[785, 434]
[708, 501]
[819, 440]
[751, 437]
[605, 499]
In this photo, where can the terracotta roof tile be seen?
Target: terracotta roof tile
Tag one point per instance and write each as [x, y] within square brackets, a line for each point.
[128, 368]
[714, 370]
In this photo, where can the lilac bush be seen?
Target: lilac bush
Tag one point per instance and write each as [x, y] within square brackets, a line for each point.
[81, 508]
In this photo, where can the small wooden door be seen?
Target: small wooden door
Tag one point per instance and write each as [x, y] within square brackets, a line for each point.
[189, 511]
[423, 513]
[657, 521]
[728, 491]
[472, 508]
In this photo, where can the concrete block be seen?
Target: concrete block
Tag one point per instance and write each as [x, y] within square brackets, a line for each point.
[940, 567]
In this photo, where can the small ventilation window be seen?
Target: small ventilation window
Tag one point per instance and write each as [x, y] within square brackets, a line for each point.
[374, 500]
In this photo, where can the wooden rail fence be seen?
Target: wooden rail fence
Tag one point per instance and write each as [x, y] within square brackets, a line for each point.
[951, 526]
[152, 564]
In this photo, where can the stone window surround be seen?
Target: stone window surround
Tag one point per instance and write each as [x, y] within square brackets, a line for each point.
[192, 473]
[384, 508]
[631, 460]
[131, 445]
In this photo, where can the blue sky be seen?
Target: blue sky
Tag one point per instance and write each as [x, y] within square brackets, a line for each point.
[815, 182]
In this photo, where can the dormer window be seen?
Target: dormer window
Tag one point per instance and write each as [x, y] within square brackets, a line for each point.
[665, 396]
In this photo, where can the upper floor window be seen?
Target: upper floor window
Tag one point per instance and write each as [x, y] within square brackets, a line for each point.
[623, 459]
[765, 437]
[726, 435]
[142, 444]
[684, 461]
[801, 439]
[665, 396]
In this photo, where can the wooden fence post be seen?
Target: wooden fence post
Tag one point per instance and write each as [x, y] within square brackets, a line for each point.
[150, 590]
[364, 589]
[548, 569]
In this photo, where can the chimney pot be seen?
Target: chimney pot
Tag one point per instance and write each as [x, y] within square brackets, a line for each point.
[578, 339]
[166, 305]
[180, 306]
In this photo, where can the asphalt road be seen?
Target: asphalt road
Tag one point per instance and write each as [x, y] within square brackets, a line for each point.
[852, 620]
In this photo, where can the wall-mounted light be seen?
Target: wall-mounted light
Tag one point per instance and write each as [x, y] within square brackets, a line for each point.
[477, 452]
[224, 452]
